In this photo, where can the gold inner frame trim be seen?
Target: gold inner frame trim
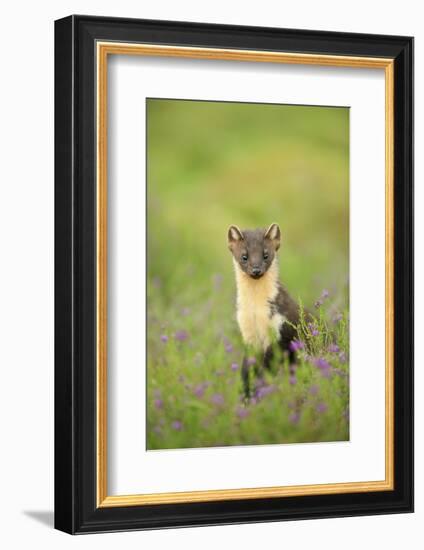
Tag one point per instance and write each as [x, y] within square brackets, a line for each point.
[103, 50]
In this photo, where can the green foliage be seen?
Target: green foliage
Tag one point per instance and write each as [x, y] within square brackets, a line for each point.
[211, 165]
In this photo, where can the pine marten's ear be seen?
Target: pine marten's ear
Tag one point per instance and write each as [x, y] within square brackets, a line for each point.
[234, 235]
[273, 234]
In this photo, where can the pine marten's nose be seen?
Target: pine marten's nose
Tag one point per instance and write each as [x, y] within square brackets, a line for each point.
[256, 271]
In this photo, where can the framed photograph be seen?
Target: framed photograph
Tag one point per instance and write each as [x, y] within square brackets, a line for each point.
[234, 274]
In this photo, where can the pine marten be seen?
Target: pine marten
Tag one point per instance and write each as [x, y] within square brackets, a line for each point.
[265, 310]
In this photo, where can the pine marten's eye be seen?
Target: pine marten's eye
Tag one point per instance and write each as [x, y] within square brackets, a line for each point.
[244, 257]
[266, 256]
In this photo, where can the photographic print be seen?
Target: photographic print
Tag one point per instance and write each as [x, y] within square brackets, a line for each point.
[233, 274]
[247, 274]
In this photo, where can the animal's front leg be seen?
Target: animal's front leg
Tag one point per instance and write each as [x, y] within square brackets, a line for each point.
[252, 370]
[268, 357]
[245, 376]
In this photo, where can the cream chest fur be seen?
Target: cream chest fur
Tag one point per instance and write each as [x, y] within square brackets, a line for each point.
[257, 323]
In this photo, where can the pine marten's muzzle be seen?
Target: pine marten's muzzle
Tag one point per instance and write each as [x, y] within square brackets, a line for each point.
[256, 272]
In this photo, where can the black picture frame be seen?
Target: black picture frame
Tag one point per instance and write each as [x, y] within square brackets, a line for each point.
[76, 510]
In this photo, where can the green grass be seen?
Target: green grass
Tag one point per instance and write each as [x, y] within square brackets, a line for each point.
[211, 165]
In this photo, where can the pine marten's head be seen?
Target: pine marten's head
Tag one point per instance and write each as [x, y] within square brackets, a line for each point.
[254, 250]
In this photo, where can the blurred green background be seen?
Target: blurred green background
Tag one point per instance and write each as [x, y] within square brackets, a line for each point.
[210, 165]
[213, 164]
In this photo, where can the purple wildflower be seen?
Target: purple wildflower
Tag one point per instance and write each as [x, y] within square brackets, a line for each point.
[177, 425]
[199, 390]
[294, 418]
[264, 391]
[250, 361]
[217, 399]
[158, 403]
[323, 365]
[313, 329]
[234, 366]
[296, 345]
[314, 389]
[164, 338]
[228, 347]
[181, 335]
[324, 295]
[337, 317]
[242, 412]
[333, 348]
[292, 380]
[321, 408]
[185, 311]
